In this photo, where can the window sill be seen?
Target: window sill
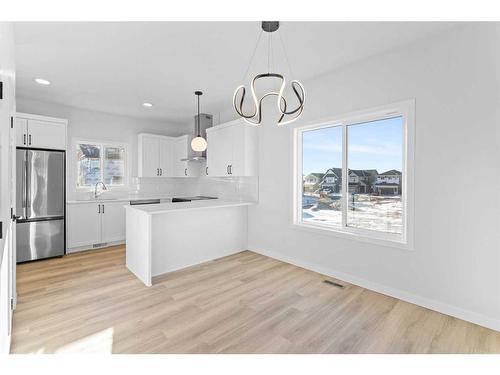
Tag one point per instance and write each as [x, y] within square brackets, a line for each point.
[354, 236]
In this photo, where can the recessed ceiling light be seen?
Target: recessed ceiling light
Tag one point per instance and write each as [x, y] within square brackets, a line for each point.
[42, 81]
[147, 104]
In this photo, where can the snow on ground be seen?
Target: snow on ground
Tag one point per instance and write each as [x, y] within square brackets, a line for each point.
[381, 213]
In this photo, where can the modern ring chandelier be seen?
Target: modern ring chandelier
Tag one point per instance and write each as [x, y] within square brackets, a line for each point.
[255, 117]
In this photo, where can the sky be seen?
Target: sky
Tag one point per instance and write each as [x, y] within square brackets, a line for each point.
[371, 145]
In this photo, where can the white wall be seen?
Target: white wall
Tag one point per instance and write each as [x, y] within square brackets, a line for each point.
[84, 124]
[7, 109]
[455, 265]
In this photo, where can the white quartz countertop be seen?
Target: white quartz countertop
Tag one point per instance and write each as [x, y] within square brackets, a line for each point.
[162, 208]
[163, 199]
[81, 201]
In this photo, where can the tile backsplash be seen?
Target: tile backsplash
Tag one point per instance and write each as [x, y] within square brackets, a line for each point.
[231, 188]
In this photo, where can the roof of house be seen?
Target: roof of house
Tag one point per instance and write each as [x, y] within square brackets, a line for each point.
[336, 171]
[319, 175]
[364, 172]
[358, 172]
[392, 172]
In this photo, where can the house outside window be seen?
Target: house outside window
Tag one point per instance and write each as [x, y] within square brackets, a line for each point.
[106, 162]
[366, 160]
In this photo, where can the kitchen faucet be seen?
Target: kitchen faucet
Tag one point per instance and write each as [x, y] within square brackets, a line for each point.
[103, 188]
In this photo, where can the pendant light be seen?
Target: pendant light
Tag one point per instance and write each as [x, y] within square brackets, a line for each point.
[198, 143]
[255, 117]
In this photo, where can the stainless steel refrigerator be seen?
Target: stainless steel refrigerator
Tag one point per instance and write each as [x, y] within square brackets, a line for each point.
[40, 204]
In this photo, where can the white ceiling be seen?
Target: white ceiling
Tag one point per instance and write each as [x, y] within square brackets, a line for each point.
[115, 67]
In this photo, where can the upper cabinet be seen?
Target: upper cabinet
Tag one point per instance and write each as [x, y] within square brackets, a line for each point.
[232, 149]
[35, 131]
[156, 156]
[166, 156]
[183, 167]
[180, 153]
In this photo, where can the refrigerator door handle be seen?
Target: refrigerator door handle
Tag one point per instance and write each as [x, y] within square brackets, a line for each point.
[27, 209]
[23, 186]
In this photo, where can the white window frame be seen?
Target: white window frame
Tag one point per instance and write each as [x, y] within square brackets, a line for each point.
[102, 144]
[405, 109]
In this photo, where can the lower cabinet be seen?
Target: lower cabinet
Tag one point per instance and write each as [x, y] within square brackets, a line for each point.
[94, 224]
[112, 222]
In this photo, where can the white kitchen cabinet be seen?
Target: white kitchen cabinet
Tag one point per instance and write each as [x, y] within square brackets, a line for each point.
[21, 125]
[184, 168]
[84, 227]
[35, 131]
[95, 224]
[166, 157]
[219, 151]
[112, 222]
[149, 151]
[156, 154]
[181, 152]
[232, 149]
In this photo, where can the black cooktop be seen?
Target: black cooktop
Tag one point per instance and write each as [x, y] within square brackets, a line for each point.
[189, 199]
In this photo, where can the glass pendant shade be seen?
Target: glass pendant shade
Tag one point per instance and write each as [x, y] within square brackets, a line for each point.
[199, 144]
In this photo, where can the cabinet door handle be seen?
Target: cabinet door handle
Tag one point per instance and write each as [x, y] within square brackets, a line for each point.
[29, 142]
[185, 171]
[227, 169]
[98, 208]
[24, 139]
[161, 172]
[230, 169]
[206, 171]
[102, 208]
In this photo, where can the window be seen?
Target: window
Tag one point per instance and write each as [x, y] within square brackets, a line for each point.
[100, 162]
[375, 152]
[353, 174]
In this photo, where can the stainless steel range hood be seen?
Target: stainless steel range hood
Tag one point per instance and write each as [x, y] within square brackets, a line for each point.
[206, 122]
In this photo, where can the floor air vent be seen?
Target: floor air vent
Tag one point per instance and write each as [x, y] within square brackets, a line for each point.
[330, 282]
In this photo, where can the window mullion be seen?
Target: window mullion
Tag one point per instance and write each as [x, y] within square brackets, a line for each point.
[345, 188]
[102, 162]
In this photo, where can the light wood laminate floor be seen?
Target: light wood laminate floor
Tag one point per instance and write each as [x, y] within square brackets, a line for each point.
[244, 303]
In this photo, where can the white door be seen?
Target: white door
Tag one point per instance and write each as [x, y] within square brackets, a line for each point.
[112, 221]
[150, 157]
[180, 152]
[21, 126]
[84, 226]
[7, 179]
[48, 135]
[166, 157]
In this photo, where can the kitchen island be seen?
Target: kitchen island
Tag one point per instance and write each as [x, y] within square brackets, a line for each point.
[165, 237]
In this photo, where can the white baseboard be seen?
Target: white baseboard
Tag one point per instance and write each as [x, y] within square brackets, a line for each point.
[91, 247]
[5, 345]
[444, 308]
